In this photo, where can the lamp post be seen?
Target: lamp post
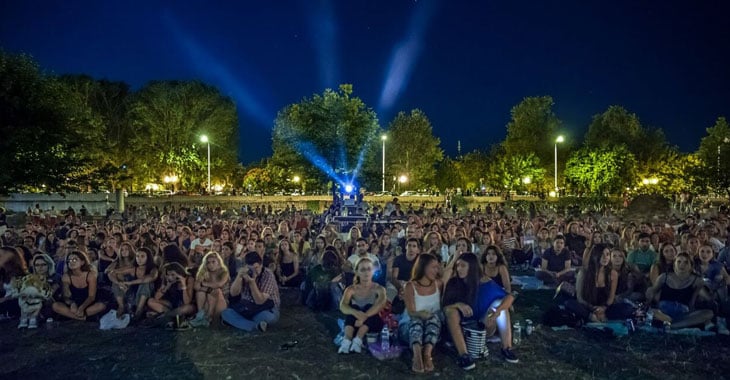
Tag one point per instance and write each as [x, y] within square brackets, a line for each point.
[204, 139]
[383, 138]
[560, 139]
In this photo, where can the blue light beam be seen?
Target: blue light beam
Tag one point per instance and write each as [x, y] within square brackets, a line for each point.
[207, 64]
[405, 55]
[323, 30]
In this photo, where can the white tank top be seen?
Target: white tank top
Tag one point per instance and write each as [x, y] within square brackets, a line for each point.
[431, 303]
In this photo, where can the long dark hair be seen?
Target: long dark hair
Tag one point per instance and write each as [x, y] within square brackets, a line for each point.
[472, 276]
[419, 268]
[15, 267]
[149, 265]
[589, 277]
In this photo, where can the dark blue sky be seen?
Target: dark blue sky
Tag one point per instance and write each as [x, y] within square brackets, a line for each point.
[464, 63]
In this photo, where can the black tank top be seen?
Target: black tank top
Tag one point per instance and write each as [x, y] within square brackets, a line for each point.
[78, 295]
[175, 296]
[683, 296]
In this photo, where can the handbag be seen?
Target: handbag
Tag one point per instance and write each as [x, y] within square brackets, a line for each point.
[249, 309]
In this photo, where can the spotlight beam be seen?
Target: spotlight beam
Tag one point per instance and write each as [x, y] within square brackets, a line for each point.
[405, 55]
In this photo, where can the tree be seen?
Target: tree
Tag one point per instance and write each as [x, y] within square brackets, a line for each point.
[328, 137]
[41, 137]
[616, 127]
[448, 175]
[532, 129]
[714, 152]
[508, 172]
[601, 171]
[102, 108]
[168, 118]
[415, 150]
[473, 168]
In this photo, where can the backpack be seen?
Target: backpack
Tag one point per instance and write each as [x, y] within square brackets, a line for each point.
[557, 316]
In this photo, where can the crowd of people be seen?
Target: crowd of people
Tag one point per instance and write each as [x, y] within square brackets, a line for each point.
[431, 269]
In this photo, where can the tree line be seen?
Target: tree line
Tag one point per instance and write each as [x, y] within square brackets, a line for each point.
[76, 133]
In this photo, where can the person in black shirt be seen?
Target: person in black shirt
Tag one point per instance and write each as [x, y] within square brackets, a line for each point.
[556, 266]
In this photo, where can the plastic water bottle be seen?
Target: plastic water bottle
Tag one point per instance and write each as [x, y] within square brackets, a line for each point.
[516, 333]
[385, 339]
[49, 323]
[649, 317]
[529, 328]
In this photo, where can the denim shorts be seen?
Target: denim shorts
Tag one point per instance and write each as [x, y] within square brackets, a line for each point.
[677, 311]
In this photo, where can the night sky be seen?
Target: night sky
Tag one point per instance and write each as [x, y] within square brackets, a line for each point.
[464, 63]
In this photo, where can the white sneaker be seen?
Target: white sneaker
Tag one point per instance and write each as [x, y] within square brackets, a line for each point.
[33, 323]
[345, 346]
[356, 346]
[23, 323]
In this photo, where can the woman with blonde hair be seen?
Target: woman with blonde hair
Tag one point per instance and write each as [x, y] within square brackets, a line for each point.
[211, 288]
[361, 303]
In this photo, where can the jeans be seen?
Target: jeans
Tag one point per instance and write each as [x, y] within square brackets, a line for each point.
[234, 319]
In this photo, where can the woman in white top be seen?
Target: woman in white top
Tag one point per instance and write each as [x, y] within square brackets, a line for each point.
[422, 297]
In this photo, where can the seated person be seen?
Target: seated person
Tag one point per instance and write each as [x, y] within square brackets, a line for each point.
[556, 264]
[596, 290]
[260, 303]
[79, 289]
[211, 290]
[495, 267]
[664, 262]
[317, 293]
[175, 296]
[287, 269]
[676, 293]
[643, 256]
[470, 298]
[422, 296]
[361, 303]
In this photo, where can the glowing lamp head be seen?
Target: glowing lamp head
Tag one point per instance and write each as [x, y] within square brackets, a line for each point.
[204, 139]
[559, 139]
[349, 188]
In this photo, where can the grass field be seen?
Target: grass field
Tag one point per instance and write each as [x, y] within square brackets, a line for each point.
[76, 350]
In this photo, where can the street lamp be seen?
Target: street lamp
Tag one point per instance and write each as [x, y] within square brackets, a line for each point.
[383, 138]
[204, 139]
[402, 179]
[560, 139]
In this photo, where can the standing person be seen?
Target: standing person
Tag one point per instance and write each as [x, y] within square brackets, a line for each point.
[259, 302]
[422, 296]
[79, 289]
[361, 303]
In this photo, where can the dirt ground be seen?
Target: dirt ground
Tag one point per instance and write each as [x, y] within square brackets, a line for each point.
[77, 350]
